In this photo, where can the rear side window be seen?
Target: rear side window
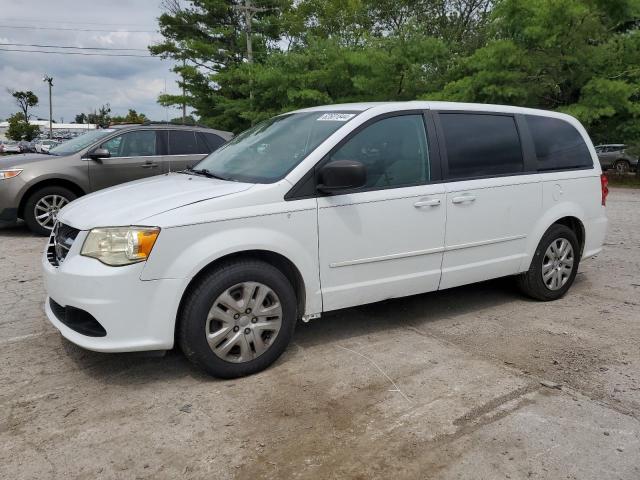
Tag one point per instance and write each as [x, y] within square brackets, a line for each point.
[213, 141]
[183, 142]
[558, 144]
[480, 145]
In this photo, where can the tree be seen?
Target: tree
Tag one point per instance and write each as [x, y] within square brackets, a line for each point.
[131, 117]
[19, 129]
[24, 100]
[188, 120]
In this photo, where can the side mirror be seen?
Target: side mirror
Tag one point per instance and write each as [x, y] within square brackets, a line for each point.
[99, 153]
[342, 175]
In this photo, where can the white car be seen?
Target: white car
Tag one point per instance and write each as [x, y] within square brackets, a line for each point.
[322, 209]
[44, 146]
[11, 147]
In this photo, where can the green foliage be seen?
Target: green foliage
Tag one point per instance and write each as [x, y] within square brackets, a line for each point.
[131, 117]
[24, 100]
[20, 129]
[100, 117]
[577, 56]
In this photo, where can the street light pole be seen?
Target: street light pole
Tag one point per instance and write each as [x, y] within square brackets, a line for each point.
[49, 80]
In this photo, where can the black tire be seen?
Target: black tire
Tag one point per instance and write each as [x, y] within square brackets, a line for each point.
[531, 282]
[621, 166]
[34, 198]
[199, 300]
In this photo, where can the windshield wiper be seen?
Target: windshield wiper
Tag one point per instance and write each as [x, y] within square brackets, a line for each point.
[204, 172]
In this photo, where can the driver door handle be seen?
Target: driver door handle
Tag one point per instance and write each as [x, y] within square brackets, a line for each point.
[434, 202]
[149, 165]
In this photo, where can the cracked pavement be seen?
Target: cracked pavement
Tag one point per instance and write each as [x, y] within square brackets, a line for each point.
[476, 382]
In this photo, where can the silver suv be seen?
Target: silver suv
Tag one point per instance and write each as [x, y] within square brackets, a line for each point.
[35, 186]
[615, 156]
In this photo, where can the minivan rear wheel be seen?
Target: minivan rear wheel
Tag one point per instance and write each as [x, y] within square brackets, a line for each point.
[554, 265]
[42, 207]
[238, 319]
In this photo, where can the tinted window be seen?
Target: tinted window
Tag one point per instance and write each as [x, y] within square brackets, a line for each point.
[479, 145]
[394, 150]
[183, 142]
[558, 144]
[213, 140]
[133, 144]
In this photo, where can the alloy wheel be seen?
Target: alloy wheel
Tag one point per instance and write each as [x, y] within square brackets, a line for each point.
[557, 264]
[243, 322]
[46, 210]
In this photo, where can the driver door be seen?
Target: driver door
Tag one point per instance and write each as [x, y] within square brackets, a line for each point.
[385, 239]
[134, 155]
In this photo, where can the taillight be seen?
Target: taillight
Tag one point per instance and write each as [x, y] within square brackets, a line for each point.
[604, 184]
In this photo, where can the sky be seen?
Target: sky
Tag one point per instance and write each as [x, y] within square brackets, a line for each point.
[84, 83]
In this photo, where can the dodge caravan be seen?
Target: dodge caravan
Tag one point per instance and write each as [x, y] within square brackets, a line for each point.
[322, 209]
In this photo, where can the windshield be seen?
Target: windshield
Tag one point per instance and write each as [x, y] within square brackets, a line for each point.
[82, 141]
[267, 152]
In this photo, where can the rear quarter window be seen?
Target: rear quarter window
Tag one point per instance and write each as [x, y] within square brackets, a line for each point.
[558, 145]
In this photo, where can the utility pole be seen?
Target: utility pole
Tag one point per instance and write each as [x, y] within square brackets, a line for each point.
[184, 99]
[49, 80]
[249, 12]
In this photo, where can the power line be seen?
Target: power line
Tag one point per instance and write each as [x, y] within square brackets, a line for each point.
[78, 53]
[70, 47]
[75, 29]
[67, 22]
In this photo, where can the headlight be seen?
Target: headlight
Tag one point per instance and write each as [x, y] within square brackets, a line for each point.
[10, 173]
[118, 246]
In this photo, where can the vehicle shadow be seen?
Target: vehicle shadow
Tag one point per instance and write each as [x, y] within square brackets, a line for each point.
[18, 229]
[415, 312]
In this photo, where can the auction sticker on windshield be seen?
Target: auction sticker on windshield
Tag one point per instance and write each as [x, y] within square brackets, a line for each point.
[336, 117]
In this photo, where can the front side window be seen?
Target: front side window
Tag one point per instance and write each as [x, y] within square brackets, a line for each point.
[558, 144]
[271, 149]
[133, 144]
[480, 145]
[393, 150]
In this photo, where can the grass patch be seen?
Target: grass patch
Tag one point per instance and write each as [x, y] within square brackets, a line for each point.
[627, 181]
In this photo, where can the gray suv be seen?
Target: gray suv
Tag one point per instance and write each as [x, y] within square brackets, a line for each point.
[35, 186]
[615, 156]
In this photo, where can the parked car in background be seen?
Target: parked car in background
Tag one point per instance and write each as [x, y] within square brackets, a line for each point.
[615, 156]
[11, 147]
[322, 209]
[35, 186]
[48, 145]
[43, 146]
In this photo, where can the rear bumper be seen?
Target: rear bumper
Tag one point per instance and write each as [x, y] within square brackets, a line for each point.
[595, 232]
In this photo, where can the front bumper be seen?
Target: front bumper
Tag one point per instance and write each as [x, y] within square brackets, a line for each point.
[137, 315]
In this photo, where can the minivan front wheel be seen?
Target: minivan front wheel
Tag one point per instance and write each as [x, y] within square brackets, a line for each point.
[554, 265]
[238, 319]
[42, 207]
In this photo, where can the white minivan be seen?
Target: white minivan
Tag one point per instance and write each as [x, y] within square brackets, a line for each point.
[321, 209]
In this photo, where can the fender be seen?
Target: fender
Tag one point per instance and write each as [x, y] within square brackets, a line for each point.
[186, 250]
[558, 211]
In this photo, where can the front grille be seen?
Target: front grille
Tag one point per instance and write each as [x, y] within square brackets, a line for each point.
[60, 241]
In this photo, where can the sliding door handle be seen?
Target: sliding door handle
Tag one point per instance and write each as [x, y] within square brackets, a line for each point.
[464, 199]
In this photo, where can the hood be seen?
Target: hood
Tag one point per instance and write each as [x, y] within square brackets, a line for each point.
[20, 159]
[131, 203]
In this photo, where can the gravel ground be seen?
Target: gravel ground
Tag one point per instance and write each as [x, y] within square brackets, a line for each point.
[475, 382]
